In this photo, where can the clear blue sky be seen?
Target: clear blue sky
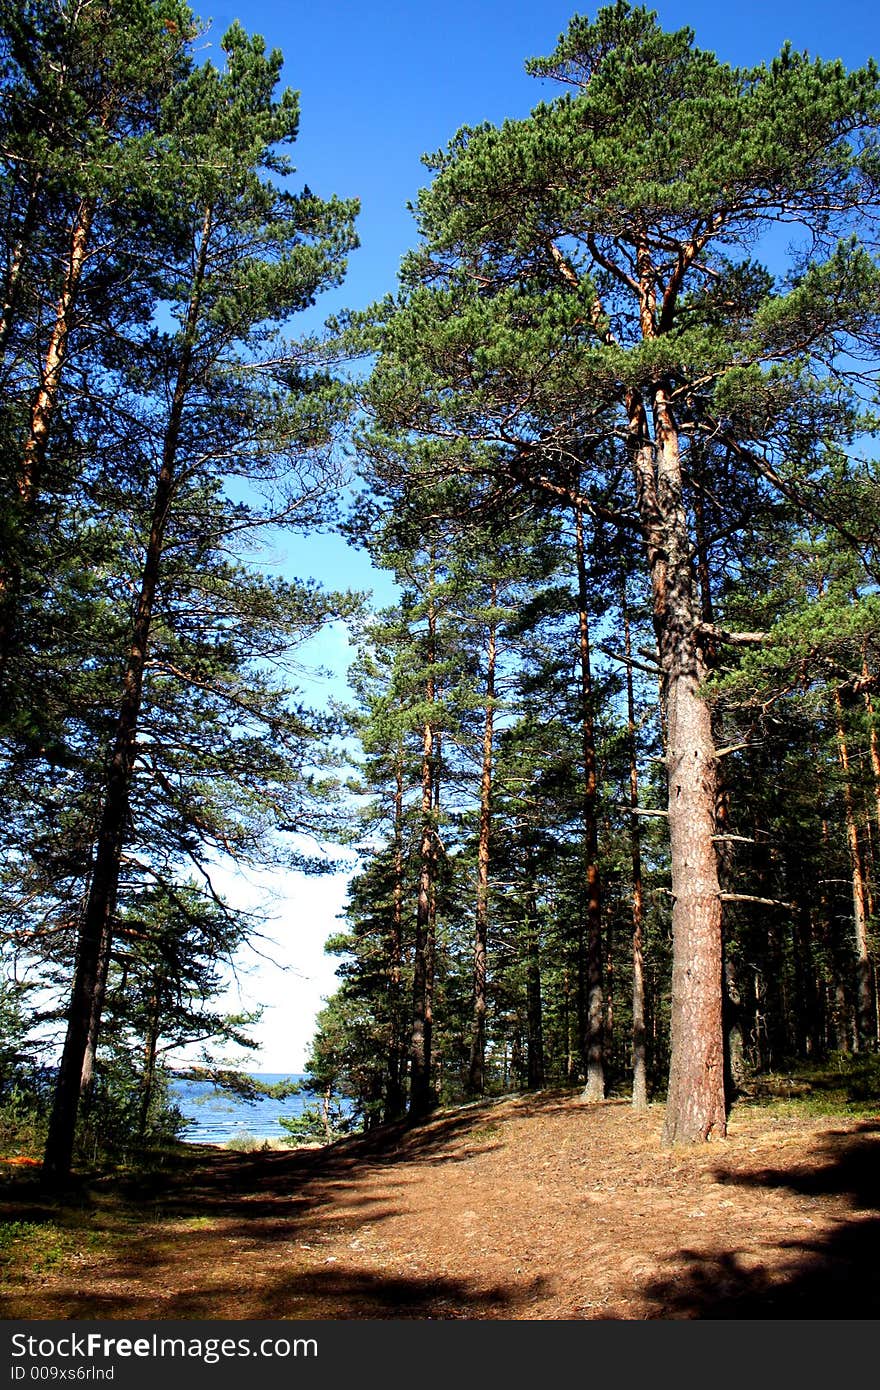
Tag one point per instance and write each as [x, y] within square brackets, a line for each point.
[381, 84]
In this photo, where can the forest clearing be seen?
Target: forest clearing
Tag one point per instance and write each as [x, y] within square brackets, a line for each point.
[531, 1207]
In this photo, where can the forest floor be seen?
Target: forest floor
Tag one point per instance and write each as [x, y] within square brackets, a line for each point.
[533, 1207]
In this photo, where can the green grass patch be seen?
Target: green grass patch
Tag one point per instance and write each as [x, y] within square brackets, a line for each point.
[38, 1247]
[846, 1085]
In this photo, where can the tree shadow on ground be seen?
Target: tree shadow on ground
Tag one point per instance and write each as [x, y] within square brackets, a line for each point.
[213, 1212]
[340, 1292]
[833, 1275]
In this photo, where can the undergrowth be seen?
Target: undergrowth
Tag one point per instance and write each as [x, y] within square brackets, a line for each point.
[845, 1084]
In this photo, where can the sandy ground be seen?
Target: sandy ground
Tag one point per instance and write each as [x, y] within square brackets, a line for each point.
[530, 1208]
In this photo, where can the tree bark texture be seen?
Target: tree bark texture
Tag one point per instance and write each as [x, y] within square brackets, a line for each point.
[43, 407]
[695, 1108]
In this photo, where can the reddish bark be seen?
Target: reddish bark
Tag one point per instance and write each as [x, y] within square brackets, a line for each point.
[695, 1107]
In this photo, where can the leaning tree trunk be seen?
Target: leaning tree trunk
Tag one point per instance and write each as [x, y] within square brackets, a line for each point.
[873, 743]
[96, 928]
[95, 936]
[695, 1108]
[43, 408]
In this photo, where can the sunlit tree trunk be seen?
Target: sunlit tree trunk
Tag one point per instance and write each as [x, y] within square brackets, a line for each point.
[864, 991]
[695, 1107]
[43, 408]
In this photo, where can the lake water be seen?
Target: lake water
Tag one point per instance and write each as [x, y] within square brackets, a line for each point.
[216, 1117]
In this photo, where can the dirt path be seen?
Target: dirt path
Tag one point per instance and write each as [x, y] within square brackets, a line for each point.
[532, 1208]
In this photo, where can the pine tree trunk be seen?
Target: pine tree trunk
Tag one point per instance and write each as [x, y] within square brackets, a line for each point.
[733, 1031]
[87, 1077]
[594, 1089]
[864, 992]
[874, 749]
[394, 1097]
[420, 1043]
[43, 408]
[477, 1069]
[46, 400]
[151, 1046]
[695, 1107]
[534, 1018]
[810, 1040]
[96, 929]
[639, 1051]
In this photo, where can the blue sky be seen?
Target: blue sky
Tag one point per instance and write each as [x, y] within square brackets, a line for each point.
[381, 84]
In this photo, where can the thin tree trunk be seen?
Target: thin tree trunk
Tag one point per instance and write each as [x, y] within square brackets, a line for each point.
[873, 742]
[97, 924]
[477, 1069]
[534, 1018]
[151, 1046]
[420, 1056]
[639, 1051]
[864, 993]
[594, 1089]
[836, 1009]
[733, 1031]
[809, 1038]
[87, 1076]
[394, 1100]
[46, 400]
[42, 411]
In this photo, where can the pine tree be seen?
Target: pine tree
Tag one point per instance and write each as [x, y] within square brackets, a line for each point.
[584, 292]
[252, 255]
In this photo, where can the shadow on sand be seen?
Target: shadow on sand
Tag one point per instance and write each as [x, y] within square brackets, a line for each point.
[836, 1275]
